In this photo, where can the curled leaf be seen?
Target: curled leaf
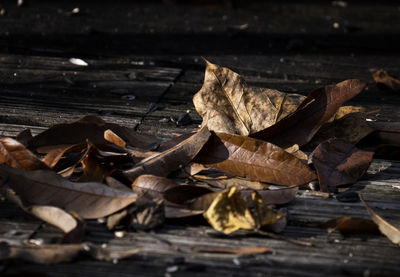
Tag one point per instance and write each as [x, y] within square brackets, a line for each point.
[391, 232]
[14, 154]
[381, 77]
[319, 106]
[172, 159]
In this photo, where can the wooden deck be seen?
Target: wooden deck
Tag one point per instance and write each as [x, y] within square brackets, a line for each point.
[150, 52]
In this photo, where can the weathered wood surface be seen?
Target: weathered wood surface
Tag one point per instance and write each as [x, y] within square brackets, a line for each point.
[152, 51]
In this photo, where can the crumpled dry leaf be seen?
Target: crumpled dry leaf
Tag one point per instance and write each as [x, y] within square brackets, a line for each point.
[90, 128]
[229, 212]
[339, 163]
[351, 225]
[57, 253]
[172, 159]
[254, 159]
[381, 77]
[228, 105]
[14, 154]
[42, 187]
[152, 187]
[319, 106]
[391, 232]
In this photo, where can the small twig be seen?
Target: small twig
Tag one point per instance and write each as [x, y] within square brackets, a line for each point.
[279, 237]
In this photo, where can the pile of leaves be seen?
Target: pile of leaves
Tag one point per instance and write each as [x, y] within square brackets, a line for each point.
[249, 156]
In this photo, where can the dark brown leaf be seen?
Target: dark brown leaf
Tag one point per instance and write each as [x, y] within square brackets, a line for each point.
[381, 77]
[351, 225]
[172, 159]
[42, 187]
[339, 163]
[14, 154]
[88, 128]
[300, 126]
[254, 159]
[24, 137]
[391, 232]
[352, 128]
[152, 187]
[228, 105]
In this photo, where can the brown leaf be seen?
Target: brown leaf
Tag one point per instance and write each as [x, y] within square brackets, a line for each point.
[254, 159]
[228, 105]
[72, 225]
[88, 128]
[54, 155]
[351, 225]
[345, 110]
[14, 154]
[41, 187]
[152, 187]
[229, 212]
[57, 253]
[112, 137]
[352, 128]
[339, 163]
[24, 137]
[385, 132]
[184, 194]
[391, 232]
[172, 159]
[381, 77]
[300, 126]
[224, 182]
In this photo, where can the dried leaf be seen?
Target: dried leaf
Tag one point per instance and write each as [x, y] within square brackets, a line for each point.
[229, 212]
[224, 182]
[88, 128]
[57, 253]
[385, 132]
[351, 225]
[391, 232]
[381, 77]
[228, 105]
[300, 126]
[254, 159]
[146, 214]
[339, 163]
[152, 187]
[352, 128]
[112, 137]
[184, 194]
[24, 137]
[71, 224]
[41, 187]
[54, 155]
[275, 196]
[14, 154]
[172, 159]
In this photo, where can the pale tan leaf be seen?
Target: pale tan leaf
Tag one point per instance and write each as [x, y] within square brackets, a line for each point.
[228, 105]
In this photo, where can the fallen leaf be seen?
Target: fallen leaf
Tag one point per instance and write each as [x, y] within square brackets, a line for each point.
[300, 126]
[381, 77]
[345, 110]
[229, 212]
[172, 159]
[240, 251]
[275, 196]
[146, 214]
[90, 128]
[57, 253]
[112, 137]
[228, 105]
[71, 224]
[14, 154]
[339, 163]
[152, 187]
[42, 187]
[352, 128]
[391, 232]
[24, 137]
[385, 132]
[254, 159]
[224, 182]
[351, 225]
[184, 194]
